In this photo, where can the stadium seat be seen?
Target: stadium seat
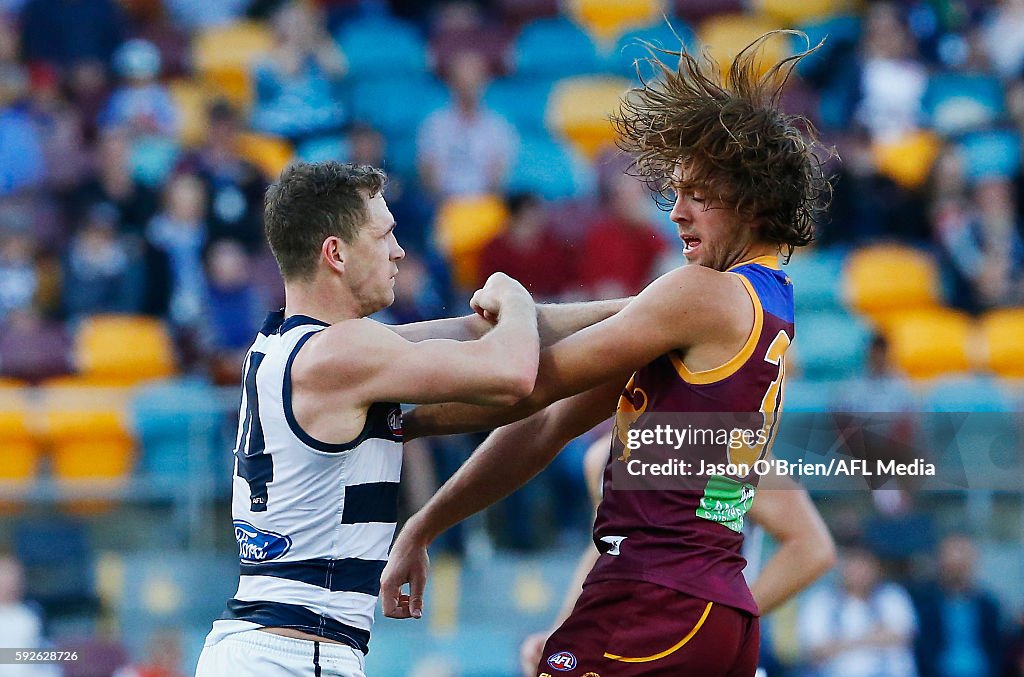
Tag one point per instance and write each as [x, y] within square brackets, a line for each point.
[192, 100]
[882, 279]
[554, 48]
[908, 160]
[20, 447]
[547, 168]
[990, 154]
[961, 102]
[841, 31]
[789, 14]
[87, 434]
[223, 55]
[929, 343]
[831, 345]
[380, 45]
[579, 110]
[123, 349]
[322, 148]
[58, 563]
[970, 394]
[384, 103]
[464, 226]
[630, 48]
[1003, 332]
[179, 426]
[813, 273]
[521, 101]
[270, 153]
[606, 20]
[725, 35]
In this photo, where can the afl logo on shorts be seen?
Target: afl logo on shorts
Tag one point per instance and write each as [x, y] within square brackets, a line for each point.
[563, 660]
[395, 421]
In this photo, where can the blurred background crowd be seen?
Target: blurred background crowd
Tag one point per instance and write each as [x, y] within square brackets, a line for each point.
[137, 138]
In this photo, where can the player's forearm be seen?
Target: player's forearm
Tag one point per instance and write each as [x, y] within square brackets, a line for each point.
[798, 562]
[558, 320]
[513, 346]
[503, 463]
[465, 328]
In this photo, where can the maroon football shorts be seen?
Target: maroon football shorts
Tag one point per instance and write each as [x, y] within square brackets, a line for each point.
[637, 628]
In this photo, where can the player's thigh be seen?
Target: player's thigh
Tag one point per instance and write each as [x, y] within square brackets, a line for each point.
[631, 628]
[256, 654]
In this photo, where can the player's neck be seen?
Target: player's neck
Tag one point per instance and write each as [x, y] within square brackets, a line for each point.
[753, 251]
[319, 302]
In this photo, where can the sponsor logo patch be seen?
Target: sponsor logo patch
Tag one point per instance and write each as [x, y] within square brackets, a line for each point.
[257, 545]
[613, 542]
[562, 661]
[395, 421]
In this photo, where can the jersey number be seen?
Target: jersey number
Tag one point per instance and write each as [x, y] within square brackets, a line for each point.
[254, 465]
[771, 405]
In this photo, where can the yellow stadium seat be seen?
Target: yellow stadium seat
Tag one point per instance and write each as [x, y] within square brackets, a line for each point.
[1003, 333]
[725, 35]
[928, 343]
[270, 153]
[89, 440]
[464, 226]
[790, 14]
[579, 109]
[908, 161]
[192, 100]
[19, 460]
[606, 20]
[223, 56]
[123, 349]
[884, 279]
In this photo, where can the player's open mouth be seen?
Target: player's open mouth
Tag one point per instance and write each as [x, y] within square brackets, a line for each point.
[690, 244]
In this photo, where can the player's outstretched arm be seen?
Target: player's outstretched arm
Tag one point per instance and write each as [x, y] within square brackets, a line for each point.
[504, 462]
[806, 550]
[555, 321]
[688, 305]
[371, 363]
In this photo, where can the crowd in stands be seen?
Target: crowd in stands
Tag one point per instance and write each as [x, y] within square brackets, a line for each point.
[137, 138]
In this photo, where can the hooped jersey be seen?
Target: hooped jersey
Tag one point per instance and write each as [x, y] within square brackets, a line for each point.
[690, 539]
[313, 520]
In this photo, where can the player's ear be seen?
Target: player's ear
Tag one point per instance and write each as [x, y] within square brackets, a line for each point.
[333, 252]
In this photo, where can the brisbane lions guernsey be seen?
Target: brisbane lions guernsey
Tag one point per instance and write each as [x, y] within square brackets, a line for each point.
[689, 539]
[313, 520]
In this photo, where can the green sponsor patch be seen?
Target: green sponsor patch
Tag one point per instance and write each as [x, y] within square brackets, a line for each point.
[726, 501]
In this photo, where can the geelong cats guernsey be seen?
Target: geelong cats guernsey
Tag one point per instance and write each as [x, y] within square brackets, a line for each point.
[313, 521]
[690, 540]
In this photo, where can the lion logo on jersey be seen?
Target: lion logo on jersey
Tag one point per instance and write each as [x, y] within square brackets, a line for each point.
[632, 403]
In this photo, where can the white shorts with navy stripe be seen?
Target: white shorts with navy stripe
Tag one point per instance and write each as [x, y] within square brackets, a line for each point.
[255, 653]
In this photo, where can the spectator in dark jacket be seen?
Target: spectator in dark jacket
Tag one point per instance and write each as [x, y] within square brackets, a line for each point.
[960, 634]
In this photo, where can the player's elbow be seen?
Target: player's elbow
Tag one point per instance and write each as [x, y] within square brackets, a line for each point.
[820, 554]
[513, 386]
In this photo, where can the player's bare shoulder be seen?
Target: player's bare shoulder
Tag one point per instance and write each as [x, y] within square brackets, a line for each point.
[342, 353]
[702, 298]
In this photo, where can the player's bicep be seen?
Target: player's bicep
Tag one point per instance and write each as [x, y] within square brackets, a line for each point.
[392, 369]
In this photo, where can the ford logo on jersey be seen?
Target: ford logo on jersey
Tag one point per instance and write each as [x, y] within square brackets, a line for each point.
[563, 661]
[256, 545]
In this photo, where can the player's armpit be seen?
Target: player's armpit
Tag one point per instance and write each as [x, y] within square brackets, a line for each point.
[806, 550]
[374, 364]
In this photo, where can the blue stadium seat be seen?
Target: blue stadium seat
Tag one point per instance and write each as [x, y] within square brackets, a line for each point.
[554, 48]
[549, 169]
[520, 100]
[991, 154]
[323, 148]
[401, 153]
[831, 345]
[971, 394]
[804, 395]
[960, 102]
[815, 285]
[59, 565]
[629, 47]
[397, 105]
[838, 31]
[180, 425]
[380, 45]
